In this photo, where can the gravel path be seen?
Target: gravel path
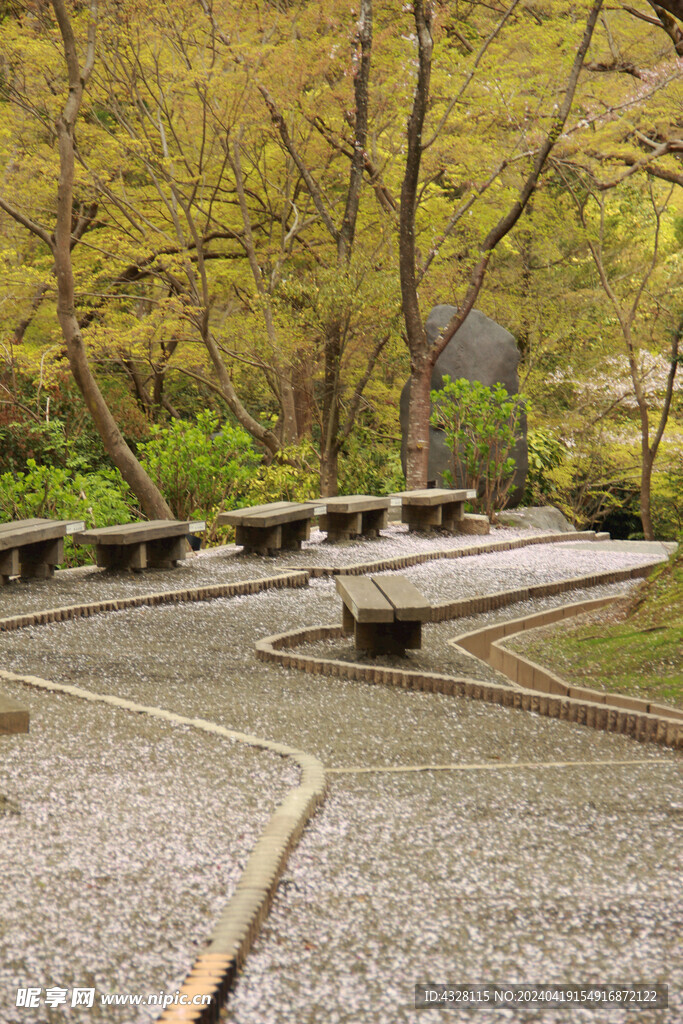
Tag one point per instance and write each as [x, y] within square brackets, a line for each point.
[393, 542]
[515, 876]
[122, 837]
[89, 584]
[399, 877]
[223, 565]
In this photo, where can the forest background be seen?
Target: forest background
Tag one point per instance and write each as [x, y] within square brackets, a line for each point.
[222, 226]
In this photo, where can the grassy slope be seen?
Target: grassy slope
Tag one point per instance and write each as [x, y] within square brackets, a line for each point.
[634, 647]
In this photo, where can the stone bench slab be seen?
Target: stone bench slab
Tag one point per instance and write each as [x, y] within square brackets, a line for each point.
[137, 533]
[435, 496]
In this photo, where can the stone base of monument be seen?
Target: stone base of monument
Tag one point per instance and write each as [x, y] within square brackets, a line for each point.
[474, 524]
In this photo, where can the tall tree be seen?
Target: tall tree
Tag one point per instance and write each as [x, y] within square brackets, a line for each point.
[60, 241]
[422, 355]
[641, 313]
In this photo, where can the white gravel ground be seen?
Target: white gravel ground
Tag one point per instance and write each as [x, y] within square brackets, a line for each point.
[223, 565]
[121, 837]
[555, 876]
[400, 876]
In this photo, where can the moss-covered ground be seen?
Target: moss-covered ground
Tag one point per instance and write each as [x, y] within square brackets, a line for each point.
[633, 647]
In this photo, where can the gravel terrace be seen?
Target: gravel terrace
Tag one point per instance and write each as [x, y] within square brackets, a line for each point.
[537, 875]
[222, 565]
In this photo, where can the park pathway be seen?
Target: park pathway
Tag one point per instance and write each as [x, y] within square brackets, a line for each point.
[549, 853]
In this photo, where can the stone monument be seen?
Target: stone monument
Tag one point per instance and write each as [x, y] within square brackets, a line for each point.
[480, 350]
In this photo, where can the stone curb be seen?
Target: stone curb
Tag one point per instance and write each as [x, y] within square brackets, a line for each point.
[583, 706]
[487, 645]
[501, 598]
[214, 970]
[210, 593]
[406, 561]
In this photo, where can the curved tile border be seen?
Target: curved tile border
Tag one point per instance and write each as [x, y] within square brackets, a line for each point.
[585, 707]
[639, 725]
[214, 970]
[210, 593]
[486, 644]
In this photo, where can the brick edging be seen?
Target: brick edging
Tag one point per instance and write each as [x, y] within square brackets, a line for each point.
[208, 593]
[487, 645]
[584, 710]
[214, 970]
[420, 557]
[501, 598]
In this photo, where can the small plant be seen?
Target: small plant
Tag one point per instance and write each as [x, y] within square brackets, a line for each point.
[291, 476]
[481, 427]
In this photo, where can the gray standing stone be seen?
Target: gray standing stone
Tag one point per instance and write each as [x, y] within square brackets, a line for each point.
[480, 350]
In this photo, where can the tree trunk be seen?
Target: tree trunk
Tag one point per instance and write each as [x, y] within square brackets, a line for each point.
[132, 472]
[329, 485]
[147, 493]
[329, 471]
[645, 492]
[423, 356]
[417, 441]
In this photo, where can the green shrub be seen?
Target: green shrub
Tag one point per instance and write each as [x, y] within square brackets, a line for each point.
[293, 475]
[481, 427]
[100, 498]
[201, 468]
[545, 454]
[368, 466]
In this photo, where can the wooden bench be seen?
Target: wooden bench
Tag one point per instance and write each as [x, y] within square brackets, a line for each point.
[350, 516]
[157, 544]
[31, 548]
[13, 718]
[385, 613]
[435, 508]
[266, 529]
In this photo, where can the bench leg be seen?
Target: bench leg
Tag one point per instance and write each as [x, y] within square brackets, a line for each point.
[387, 637]
[341, 525]
[294, 533]
[122, 556]
[9, 565]
[262, 541]
[421, 517]
[452, 515]
[348, 621]
[166, 552]
[38, 561]
[412, 634]
[374, 520]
